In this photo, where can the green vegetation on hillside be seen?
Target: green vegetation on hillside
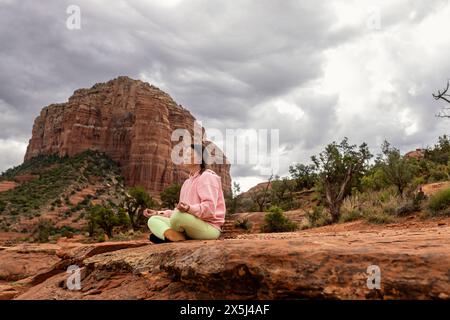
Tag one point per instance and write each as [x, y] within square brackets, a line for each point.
[53, 176]
[53, 180]
[440, 203]
[343, 185]
[46, 229]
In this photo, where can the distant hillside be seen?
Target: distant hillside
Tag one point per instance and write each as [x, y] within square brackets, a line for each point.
[247, 201]
[57, 189]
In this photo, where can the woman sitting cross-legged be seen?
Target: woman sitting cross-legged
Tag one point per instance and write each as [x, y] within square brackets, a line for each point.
[200, 212]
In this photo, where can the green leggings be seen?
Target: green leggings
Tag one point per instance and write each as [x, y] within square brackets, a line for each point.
[194, 227]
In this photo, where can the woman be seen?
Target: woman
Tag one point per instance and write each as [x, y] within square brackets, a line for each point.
[200, 212]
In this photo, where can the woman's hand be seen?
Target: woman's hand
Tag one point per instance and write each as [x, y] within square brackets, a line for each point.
[184, 207]
[149, 213]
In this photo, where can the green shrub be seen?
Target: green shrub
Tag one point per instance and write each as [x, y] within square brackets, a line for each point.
[373, 181]
[170, 196]
[440, 152]
[439, 174]
[439, 202]
[276, 221]
[44, 230]
[243, 224]
[397, 170]
[340, 168]
[418, 181]
[351, 208]
[247, 205]
[86, 201]
[58, 202]
[318, 217]
[384, 196]
[408, 206]
[134, 204]
[304, 176]
[101, 237]
[348, 216]
[379, 206]
[106, 219]
[378, 217]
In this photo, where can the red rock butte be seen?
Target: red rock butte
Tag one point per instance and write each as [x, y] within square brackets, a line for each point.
[130, 121]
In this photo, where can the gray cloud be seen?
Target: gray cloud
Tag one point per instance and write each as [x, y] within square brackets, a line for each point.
[311, 69]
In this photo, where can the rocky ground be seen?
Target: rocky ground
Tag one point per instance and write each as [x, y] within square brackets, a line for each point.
[327, 263]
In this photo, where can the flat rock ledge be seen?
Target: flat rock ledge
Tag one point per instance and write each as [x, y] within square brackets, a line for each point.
[300, 265]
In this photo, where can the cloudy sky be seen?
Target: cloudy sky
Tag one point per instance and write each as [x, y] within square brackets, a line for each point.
[315, 70]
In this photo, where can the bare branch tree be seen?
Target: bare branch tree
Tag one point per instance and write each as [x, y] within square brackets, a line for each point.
[260, 197]
[446, 97]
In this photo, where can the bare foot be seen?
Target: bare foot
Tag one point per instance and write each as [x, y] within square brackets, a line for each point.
[173, 235]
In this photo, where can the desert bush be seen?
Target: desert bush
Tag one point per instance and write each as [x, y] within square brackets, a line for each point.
[378, 216]
[246, 205]
[276, 221]
[43, 230]
[373, 181]
[439, 173]
[303, 175]
[348, 216]
[281, 193]
[439, 203]
[136, 201]
[318, 217]
[417, 182]
[128, 235]
[106, 219]
[397, 170]
[170, 196]
[67, 231]
[409, 205]
[379, 207]
[340, 168]
[440, 153]
[243, 224]
[101, 238]
[351, 209]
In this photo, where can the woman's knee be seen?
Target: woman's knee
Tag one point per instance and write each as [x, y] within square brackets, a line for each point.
[214, 234]
[151, 222]
[177, 218]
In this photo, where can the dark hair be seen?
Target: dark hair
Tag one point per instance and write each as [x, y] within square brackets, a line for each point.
[200, 150]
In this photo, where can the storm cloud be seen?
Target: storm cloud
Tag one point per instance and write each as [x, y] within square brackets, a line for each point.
[315, 70]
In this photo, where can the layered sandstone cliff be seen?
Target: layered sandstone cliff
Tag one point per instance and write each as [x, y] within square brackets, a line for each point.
[130, 121]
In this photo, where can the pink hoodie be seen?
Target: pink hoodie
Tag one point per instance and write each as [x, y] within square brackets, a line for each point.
[203, 192]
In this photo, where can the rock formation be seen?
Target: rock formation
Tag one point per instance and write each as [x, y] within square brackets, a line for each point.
[324, 263]
[416, 154]
[130, 121]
